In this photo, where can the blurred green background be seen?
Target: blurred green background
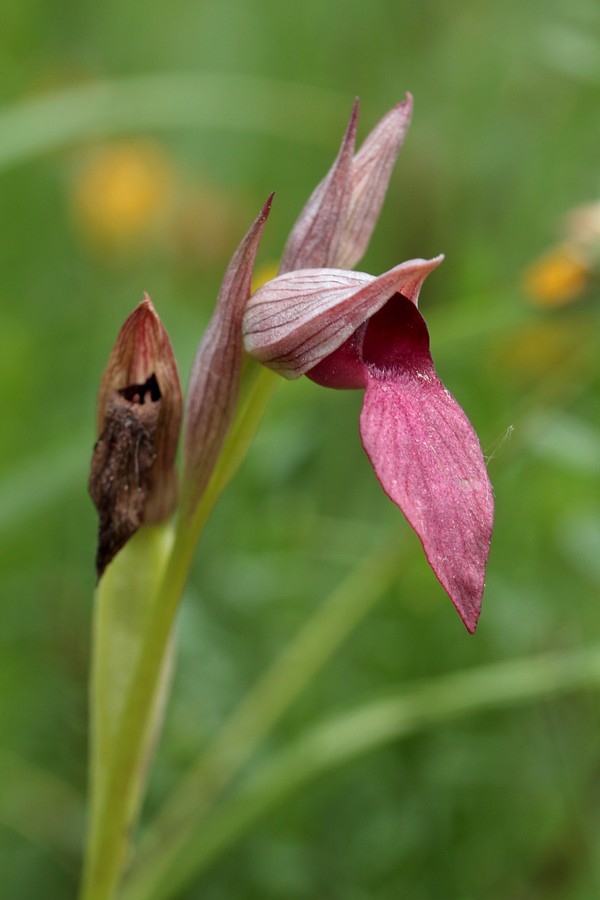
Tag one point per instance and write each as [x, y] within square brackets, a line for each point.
[137, 143]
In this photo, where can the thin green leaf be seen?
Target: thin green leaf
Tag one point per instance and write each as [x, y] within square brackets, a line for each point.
[208, 100]
[171, 838]
[350, 735]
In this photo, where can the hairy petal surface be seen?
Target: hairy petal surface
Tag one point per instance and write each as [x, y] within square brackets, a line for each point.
[215, 378]
[426, 454]
[315, 238]
[369, 179]
[297, 320]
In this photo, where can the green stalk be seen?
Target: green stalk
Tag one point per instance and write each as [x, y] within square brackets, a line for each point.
[168, 855]
[122, 731]
[258, 386]
[123, 608]
[126, 615]
[118, 791]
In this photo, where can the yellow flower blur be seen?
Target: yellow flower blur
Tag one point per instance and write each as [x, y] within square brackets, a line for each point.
[557, 278]
[264, 273]
[122, 192]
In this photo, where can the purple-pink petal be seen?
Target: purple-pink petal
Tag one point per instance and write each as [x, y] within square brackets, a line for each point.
[336, 224]
[315, 238]
[369, 179]
[215, 379]
[297, 320]
[426, 454]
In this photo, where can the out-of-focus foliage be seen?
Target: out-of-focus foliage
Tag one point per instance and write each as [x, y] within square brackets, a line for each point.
[504, 142]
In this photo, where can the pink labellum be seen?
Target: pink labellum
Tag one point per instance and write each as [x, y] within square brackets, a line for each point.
[426, 454]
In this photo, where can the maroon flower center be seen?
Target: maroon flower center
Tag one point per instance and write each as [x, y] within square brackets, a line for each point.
[394, 339]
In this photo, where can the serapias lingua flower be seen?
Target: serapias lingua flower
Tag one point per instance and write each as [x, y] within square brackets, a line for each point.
[351, 330]
[347, 329]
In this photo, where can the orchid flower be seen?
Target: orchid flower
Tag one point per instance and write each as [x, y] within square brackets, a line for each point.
[348, 329]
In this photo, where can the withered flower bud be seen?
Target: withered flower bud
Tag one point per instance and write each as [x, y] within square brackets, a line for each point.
[133, 479]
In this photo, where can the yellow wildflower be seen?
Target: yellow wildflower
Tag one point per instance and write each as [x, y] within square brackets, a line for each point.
[558, 277]
[121, 193]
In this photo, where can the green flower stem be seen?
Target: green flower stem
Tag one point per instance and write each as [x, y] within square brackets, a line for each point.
[110, 832]
[124, 605]
[350, 735]
[168, 855]
[123, 730]
[133, 620]
[258, 386]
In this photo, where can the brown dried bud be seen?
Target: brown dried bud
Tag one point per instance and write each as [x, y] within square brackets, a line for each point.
[133, 479]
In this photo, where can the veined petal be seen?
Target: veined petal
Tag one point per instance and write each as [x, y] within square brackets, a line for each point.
[215, 378]
[315, 238]
[295, 321]
[280, 314]
[369, 179]
[426, 455]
